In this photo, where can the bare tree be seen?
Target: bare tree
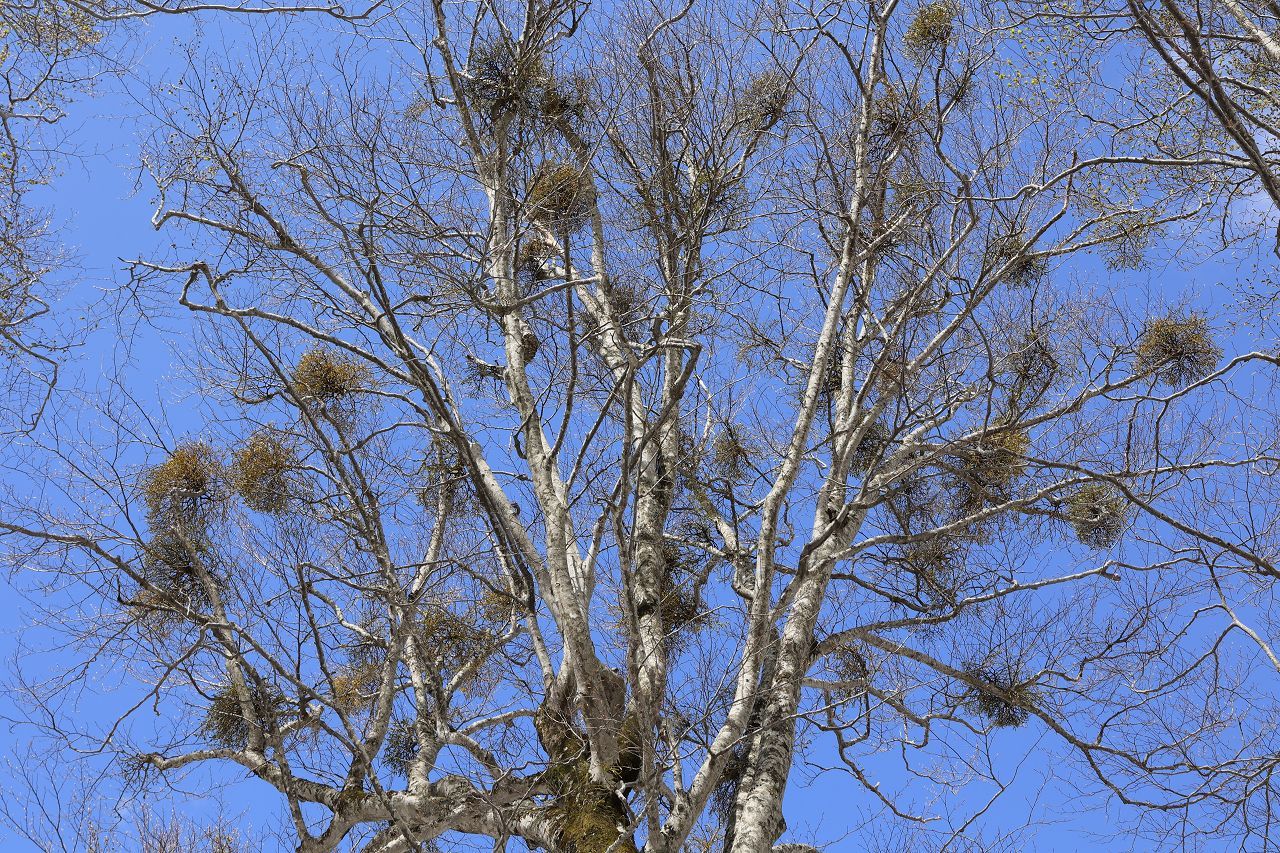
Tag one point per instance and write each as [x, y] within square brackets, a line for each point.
[616, 410]
[1225, 56]
[76, 813]
[1203, 76]
[51, 52]
[48, 53]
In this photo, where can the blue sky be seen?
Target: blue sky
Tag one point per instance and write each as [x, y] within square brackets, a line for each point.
[103, 205]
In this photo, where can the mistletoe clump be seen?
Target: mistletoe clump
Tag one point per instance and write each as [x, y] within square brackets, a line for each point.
[226, 723]
[1178, 351]
[934, 562]
[260, 473]
[889, 372]
[401, 746]
[1098, 513]
[1010, 256]
[498, 77]
[500, 80]
[494, 605]
[682, 608]
[176, 580]
[990, 467]
[170, 566]
[175, 570]
[1006, 459]
[875, 440]
[848, 666]
[1033, 365]
[763, 103]
[894, 112]
[626, 297]
[832, 379]
[732, 453]
[324, 375]
[564, 98]
[681, 596]
[355, 685]
[726, 790]
[930, 29]
[561, 196]
[1001, 695]
[531, 258]
[455, 640]
[178, 491]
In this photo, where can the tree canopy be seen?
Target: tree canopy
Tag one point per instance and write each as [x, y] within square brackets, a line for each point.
[599, 420]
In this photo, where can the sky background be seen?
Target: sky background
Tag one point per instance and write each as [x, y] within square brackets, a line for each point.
[102, 203]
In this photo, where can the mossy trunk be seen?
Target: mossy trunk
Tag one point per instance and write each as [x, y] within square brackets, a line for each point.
[590, 816]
